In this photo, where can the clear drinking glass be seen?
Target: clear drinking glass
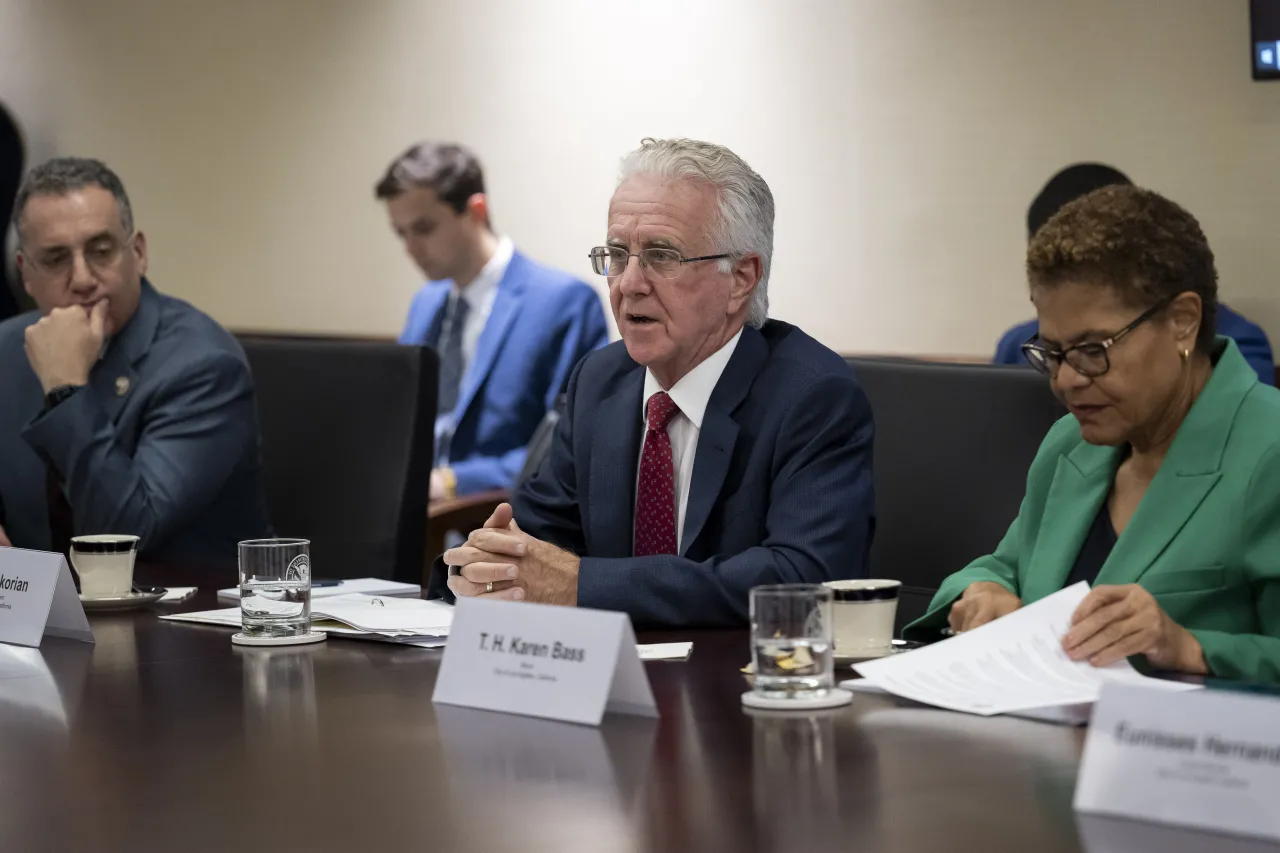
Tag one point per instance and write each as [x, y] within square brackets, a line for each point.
[275, 587]
[791, 642]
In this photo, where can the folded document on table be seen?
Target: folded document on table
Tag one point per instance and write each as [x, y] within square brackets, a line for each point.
[368, 586]
[401, 620]
[1012, 665]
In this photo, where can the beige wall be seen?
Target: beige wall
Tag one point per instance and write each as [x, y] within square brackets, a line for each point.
[902, 138]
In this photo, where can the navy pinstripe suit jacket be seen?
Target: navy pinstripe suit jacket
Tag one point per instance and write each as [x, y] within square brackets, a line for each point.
[781, 490]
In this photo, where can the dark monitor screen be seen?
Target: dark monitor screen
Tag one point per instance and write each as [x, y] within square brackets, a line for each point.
[1264, 30]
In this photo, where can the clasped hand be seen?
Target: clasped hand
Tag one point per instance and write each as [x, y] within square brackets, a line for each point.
[520, 567]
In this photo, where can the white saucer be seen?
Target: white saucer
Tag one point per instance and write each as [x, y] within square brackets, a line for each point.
[834, 698]
[239, 639]
[898, 647]
[869, 654]
[128, 601]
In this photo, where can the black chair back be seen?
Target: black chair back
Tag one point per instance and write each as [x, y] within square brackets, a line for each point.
[347, 431]
[12, 162]
[540, 444]
[953, 446]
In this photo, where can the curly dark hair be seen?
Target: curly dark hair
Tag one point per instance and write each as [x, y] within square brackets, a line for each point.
[1146, 247]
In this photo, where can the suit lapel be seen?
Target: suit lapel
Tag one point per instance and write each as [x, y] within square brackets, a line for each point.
[1170, 500]
[431, 335]
[719, 433]
[1192, 467]
[615, 455]
[115, 378]
[506, 308]
[1080, 484]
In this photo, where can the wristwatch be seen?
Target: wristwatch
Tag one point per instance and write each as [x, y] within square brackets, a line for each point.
[450, 483]
[59, 394]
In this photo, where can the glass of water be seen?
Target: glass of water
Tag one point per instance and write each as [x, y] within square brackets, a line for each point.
[275, 587]
[791, 641]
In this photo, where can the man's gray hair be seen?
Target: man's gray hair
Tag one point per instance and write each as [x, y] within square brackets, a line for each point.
[64, 175]
[745, 220]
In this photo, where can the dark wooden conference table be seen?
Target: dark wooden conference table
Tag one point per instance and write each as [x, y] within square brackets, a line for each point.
[164, 737]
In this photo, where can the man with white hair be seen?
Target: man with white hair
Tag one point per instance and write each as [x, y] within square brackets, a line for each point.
[712, 449]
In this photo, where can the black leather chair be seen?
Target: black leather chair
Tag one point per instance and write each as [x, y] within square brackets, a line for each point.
[12, 159]
[466, 513]
[347, 431]
[953, 446]
[540, 444]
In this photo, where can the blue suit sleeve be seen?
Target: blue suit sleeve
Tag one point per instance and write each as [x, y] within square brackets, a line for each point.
[413, 333]
[1009, 349]
[1256, 349]
[585, 331]
[195, 433]
[483, 473]
[819, 524]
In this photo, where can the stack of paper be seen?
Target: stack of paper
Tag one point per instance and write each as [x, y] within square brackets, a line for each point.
[366, 586]
[1012, 665]
[411, 621]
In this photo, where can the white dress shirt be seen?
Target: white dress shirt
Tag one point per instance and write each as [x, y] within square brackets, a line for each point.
[691, 395]
[480, 294]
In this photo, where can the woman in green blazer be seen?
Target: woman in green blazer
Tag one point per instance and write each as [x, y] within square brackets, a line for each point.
[1162, 487]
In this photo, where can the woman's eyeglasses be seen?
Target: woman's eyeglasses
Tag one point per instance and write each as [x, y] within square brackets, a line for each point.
[1090, 359]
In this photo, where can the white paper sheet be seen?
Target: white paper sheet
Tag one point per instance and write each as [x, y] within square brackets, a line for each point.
[1013, 664]
[664, 651]
[366, 586]
[360, 614]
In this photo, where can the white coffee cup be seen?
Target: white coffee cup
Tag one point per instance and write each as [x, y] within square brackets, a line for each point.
[863, 612]
[104, 564]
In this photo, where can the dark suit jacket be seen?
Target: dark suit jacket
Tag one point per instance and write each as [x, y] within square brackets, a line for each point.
[781, 488]
[543, 322]
[163, 442]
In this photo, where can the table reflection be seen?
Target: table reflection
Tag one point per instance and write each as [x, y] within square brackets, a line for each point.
[1101, 834]
[40, 698]
[810, 786]
[279, 698]
[591, 778]
[41, 688]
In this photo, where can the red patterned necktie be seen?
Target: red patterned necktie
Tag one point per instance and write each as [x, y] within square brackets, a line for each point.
[656, 488]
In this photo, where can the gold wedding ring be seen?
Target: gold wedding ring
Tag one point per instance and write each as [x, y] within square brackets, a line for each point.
[488, 587]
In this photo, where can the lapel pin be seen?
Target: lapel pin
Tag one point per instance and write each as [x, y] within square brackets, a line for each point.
[122, 386]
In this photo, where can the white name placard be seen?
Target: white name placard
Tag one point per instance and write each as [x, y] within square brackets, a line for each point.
[38, 598]
[1208, 759]
[561, 663]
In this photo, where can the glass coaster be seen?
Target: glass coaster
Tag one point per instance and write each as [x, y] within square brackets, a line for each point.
[239, 639]
[833, 698]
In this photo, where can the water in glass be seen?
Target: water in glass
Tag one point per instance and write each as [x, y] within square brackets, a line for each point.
[275, 587]
[791, 641]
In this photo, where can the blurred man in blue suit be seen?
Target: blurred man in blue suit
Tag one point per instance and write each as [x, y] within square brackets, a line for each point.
[1079, 180]
[711, 450]
[508, 330]
[121, 410]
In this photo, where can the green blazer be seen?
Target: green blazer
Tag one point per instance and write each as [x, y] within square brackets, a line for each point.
[1205, 540]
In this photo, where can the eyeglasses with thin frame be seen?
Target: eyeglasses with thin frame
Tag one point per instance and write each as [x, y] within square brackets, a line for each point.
[612, 260]
[101, 255]
[1091, 359]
